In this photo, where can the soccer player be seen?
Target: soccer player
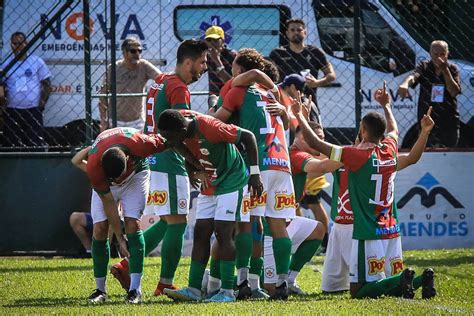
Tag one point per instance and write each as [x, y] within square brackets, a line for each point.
[118, 170]
[168, 173]
[219, 204]
[335, 276]
[258, 112]
[376, 246]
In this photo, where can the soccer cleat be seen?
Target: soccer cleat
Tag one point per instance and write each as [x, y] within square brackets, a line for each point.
[120, 272]
[406, 283]
[243, 291]
[221, 297]
[183, 295]
[161, 286]
[427, 284]
[259, 294]
[133, 297]
[209, 295]
[97, 297]
[294, 289]
[281, 292]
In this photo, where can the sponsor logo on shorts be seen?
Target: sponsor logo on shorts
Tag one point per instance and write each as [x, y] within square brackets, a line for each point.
[157, 198]
[269, 272]
[283, 201]
[182, 203]
[250, 203]
[229, 212]
[396, 265]
[376, 266]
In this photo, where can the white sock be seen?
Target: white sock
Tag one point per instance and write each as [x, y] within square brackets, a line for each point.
[100, 284]
[135, 282]
[88, 251]
[166, 281]
[242, 275]
[292, 276]
[254, 281]
[282, 278]
[213, 284]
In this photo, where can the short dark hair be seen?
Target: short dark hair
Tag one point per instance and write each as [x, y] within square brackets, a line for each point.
[271, 70]
[129, 41]
[18, 34]
[190, 49]
[314, 126]
[375, 124]
[113, 162]
[171, 120]
[295, 20]
[250, 58]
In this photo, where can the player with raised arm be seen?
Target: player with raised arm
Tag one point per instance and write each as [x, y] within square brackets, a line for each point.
[376, 256]
[219, 205]
[117, 167]
[168, 174]
[335, 276]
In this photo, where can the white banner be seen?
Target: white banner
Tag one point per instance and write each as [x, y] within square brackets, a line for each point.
[435, 199]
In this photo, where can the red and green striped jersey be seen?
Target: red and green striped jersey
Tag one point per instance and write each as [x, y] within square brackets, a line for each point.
[250, 102]
[341, 210]
[372, 170]
[167, 92]
[214, 147]
[136, 144]
[299, 159]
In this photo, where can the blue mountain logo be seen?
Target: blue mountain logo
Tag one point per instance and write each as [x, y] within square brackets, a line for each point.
[428, 188]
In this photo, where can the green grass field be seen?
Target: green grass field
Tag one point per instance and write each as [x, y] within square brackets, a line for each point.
[44, 286]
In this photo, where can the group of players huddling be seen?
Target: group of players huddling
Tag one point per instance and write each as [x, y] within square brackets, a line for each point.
[250, 183]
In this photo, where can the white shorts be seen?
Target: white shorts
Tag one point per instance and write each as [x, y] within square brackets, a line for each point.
[337, 259]
[169, 194]
[381, 258]
[132, 196]
[298, 230]
[138, 124]
[278, 198]
[223, 207]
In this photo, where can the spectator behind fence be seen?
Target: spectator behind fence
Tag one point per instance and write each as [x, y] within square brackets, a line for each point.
[220, 58]
[439, 86]
[27, 86]
[307, 60]
[132, 74]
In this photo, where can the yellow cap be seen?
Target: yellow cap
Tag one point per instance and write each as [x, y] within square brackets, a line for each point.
[215, 32]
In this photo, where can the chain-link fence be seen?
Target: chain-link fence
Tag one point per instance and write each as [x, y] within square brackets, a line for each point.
[393, 37]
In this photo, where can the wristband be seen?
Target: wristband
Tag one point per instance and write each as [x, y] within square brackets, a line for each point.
[254, 170]
[219, 69]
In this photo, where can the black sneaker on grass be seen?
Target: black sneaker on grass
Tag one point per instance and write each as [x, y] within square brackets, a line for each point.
[97, 297]
[281, 292]
[406, 283]
[243, 291]
[133, 297]
[427, 284]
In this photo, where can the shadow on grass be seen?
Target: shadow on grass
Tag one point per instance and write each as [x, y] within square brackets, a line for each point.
[79, 302]
[433, 262]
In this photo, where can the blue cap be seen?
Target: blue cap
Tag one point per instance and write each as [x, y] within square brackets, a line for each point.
[295, 79]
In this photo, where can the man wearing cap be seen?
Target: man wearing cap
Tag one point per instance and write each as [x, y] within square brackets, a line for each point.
[220, 59]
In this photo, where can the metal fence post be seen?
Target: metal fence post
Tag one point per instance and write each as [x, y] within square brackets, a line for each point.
[87, 72]
[358, 96]
[113, 82]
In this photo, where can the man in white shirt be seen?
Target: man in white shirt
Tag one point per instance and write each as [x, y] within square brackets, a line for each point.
[27, 86]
